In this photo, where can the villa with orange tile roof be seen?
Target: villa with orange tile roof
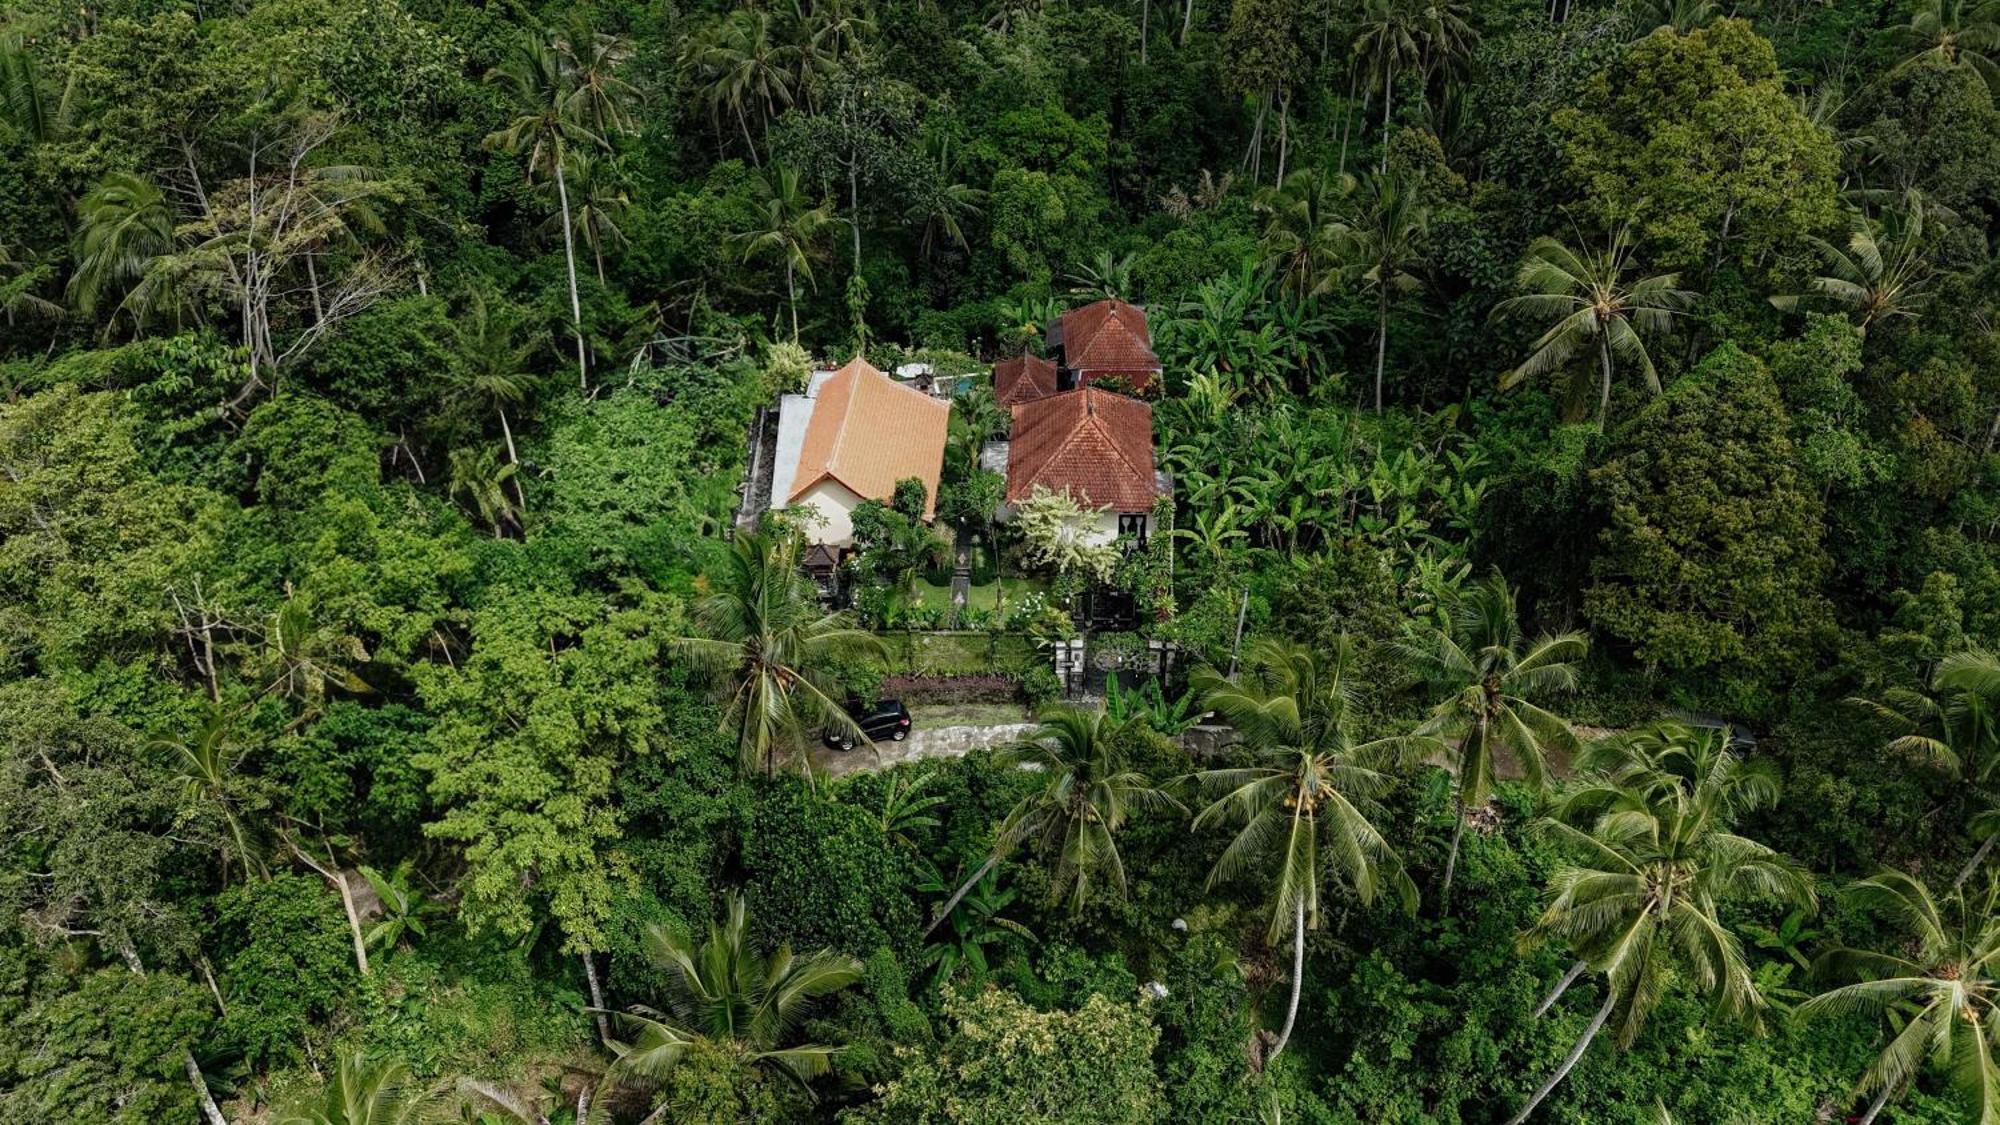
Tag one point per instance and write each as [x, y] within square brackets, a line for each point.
[864, 433]
[1094, 445]
[1106, 339]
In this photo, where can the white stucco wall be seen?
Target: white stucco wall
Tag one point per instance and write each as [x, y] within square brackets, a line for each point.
[1101, 528]
[835, 503]
[1104, 528]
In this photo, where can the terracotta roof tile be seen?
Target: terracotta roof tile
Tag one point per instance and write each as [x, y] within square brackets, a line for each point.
[868, 432]
[1096, 445]
[1024, 378]
[1107, 338]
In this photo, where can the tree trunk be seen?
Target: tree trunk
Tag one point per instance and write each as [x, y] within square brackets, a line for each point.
[1284, 134]
[1972, 864]
[1381, 332]
[854, 210]
[1875, 1107]
[339, 879]
[1251, 155]
[569, 260]
[520, 497]
[744, 123]
[1145, 23]
[1451, 861]
[209, 1109]
[792, 297]
[1570, 1060]
[353, 920]
[1298, 980]
[951, 903]
[1604, 380]
[1388, 99]
[596, 999]
[1347, 116]
[1187, 20]
[1561, 987]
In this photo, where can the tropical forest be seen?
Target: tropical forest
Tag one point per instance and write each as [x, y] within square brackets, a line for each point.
[999, 562]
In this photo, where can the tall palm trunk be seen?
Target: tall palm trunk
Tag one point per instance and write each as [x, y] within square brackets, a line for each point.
[596, 998]
[854, 209]
[1604, 378]
[1284, 134]
[1388, 100]
[1298, 979]
[951, 903]
[1458, 828]
[1875, 1107]
[1145, 24]
[1347, 115]
[1451, 860]
[1561, 987]
[1381, 331]
[1187, 20]
[569, 260]
[792, 297]
[209, 1110]
[1570, 1060]
[1253, 156]
[507, 431]
[1972, 865]
[744, 123]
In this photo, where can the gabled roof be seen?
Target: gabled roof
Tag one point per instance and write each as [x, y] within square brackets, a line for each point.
[1108, 337]
[868, 432]
[1024, 378]
[1093, 444]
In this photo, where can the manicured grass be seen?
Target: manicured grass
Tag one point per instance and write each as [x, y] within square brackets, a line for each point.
[983, 597]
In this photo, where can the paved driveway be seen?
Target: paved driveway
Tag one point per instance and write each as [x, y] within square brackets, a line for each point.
[924, 742]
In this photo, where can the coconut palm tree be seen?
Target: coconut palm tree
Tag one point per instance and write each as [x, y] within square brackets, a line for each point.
[591, 59]
[482, 480]
[204, 768]
[1670, 758]
[1954, 725]
[1073, 818]
[941, 203]
[1640, 901]
[727, 993]
[366, 1091]
[1446, 39]
[1590, 299]
[598, 203]
[1312, 790]
[1384, 246]
[20, 276]
[1387, 40]
[1955, 33]
[976, 418]
[494, 374]
[125, 224]
[550, 120]
[1494, 684]
[1305, 232]
[789, 227]
[741, 64]
[1937, 987]
[1883, 271]
[774, 648]
[975, 925]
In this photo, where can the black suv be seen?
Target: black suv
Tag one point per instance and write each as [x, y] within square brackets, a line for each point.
[888, 719]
